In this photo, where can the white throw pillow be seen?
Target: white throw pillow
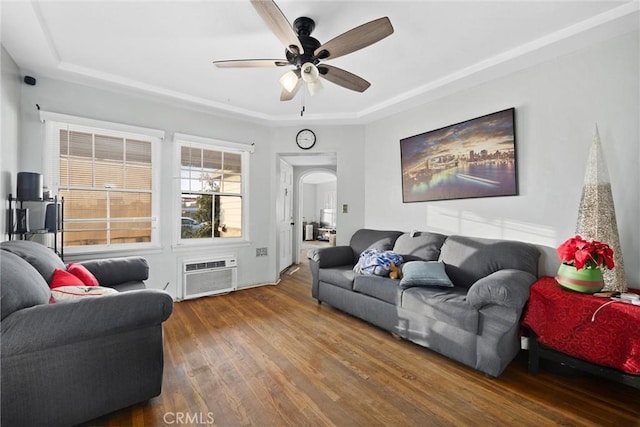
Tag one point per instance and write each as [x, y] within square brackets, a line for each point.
[64, 293]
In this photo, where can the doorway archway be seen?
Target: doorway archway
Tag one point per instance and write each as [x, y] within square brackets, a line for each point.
[317, 196]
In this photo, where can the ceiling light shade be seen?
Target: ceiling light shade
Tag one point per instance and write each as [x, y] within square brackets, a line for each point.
[310, 72]
[289, 80]
[314, 87]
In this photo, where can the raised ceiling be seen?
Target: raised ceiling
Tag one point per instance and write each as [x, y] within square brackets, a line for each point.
[165, 48]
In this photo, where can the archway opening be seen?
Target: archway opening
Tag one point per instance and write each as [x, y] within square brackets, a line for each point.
[318, 219]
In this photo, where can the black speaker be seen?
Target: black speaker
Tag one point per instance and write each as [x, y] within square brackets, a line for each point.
[52, 220]
[22, 221]
[29, 186]
[31, 81]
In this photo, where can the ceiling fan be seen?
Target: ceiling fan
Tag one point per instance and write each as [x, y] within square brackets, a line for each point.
[305, 53]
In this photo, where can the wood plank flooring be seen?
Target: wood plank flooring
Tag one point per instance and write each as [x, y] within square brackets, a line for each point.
[272, 356]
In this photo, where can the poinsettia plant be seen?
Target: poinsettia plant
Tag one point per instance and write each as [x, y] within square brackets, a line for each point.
[581, 253]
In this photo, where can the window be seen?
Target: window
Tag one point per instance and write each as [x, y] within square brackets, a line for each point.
[212, 190]
[106, 178]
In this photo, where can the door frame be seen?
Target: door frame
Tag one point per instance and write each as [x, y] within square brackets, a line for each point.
[309, 167]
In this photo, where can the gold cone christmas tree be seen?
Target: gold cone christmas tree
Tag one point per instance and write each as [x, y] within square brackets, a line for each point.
[597, 214]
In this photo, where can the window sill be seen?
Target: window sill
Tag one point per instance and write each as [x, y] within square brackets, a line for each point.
[190, 246]
[79, 254]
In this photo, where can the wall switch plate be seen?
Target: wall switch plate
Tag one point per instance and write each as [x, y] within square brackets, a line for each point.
[345, 208]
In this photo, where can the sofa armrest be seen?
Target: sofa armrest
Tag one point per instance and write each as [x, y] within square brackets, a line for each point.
[53, 325]
[114, 271]
[508, 288]
[332, 256]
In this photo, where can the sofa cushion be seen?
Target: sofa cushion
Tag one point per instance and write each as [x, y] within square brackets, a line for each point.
[339, 276]
[81, 272]
[113, 271]
[39, 256]
[22, 285]
[419, 245]
[424, 273]
[62, 278]
[468, 259]
[372, 239]
[382, 288]
[447, 305]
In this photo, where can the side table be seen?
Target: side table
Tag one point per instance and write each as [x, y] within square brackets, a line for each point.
[593, 334]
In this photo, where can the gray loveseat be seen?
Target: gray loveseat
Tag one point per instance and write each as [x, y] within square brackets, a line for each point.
[70, 362]
[475, 322]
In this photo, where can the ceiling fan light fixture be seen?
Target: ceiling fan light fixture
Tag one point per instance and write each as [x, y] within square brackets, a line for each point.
[289, 80]
[310, 72]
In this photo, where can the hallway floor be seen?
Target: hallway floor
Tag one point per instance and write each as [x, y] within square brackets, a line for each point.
[310, 244]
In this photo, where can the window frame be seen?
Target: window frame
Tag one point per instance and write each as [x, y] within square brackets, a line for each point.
[54, 122]
[244, 150]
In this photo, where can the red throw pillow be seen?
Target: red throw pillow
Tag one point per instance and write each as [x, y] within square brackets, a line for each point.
[64, 278]
[81, 272]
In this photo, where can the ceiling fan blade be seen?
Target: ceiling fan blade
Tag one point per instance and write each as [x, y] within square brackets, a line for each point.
[288, 96]
[277, 23]
[247, 63]
[343, 78]
[355, 39]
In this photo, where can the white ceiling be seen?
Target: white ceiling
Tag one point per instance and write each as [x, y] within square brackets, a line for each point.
[165, 48]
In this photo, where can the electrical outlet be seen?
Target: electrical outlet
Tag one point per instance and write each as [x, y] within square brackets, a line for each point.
[261, 252]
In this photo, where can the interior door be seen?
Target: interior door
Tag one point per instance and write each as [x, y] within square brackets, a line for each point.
[285, 216]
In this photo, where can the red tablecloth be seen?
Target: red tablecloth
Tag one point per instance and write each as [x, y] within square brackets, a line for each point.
[567, 321]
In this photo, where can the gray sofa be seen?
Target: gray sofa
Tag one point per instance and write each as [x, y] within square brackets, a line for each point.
[73, 361]
[475, 322]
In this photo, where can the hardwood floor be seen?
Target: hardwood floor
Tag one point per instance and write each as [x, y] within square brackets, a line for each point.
[272, 356]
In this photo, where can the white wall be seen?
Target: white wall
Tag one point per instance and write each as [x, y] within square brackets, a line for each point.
[326, 195]
[309, 200]
[10, 136]
[557, 106]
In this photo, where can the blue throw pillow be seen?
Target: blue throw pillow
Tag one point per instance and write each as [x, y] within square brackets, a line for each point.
[424, 273]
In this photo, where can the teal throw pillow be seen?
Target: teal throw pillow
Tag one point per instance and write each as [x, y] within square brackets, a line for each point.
[424, 273]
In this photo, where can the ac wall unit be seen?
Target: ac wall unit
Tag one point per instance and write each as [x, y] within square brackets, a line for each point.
[209, 277]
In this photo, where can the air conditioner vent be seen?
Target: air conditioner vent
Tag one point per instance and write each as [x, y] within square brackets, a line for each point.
[206, 265]
[209, 277]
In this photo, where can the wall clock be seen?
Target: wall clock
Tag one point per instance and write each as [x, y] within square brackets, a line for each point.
[306, 139]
